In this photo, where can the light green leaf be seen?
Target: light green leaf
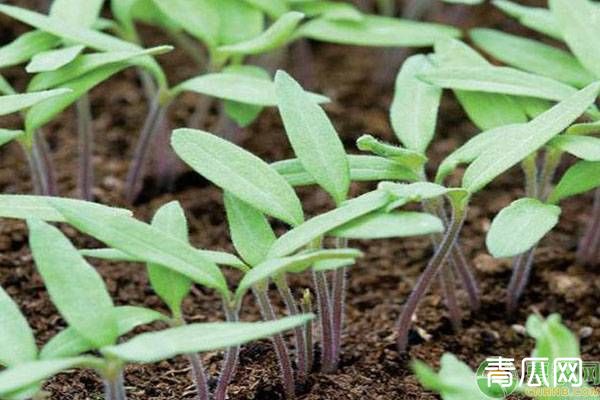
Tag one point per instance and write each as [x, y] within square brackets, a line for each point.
[31, 373]
[76, 289]
[404, 193]
[578, 22]
[362, 168]
[380, 225]
[468, 2]
[8, 135]
[250, 231]
[274, 8]
[516, 144]
[275, 36]
[68, 343]
[146, 242]
[532, 56]
[87, 63]
[518, 227]
[26, 206]
[235, 170]
[454, 381]
[587, 128]
[498, 80]
[126, 12]
[238, 21]
[17, 344]
[376, 31]
[51, 60]
[536, 18]
[236, 87]
[244, 114]
[580, 178]
[5, 87]
[274, 267]
[76, 12]
[533, 107]
[585, 147]
[318, 226]
[198, 338]
[413, 112]
[17, 102]
[330, 10]
[26, 46]
[552, 339]
[313, 137]
[170, 286]
[412, 159]
[199, 18]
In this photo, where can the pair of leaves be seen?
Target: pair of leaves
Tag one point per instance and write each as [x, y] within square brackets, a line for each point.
[25, 47]
[411, 159]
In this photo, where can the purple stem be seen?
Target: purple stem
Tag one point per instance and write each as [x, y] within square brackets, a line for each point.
[325, 319]
[465, 273]
[426, 278]
[588, 252]
[86, 144]
[199, 376]
[114, 389]
[448, 285]
[41, 151]
[283, 356]
[34, 169]
[520, 276]
[231, 358]
[338, 300]
[307, 308]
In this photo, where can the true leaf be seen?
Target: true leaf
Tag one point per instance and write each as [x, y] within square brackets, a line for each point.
[585, 147]
[516, 144]
[580, 178]
[250, 231]
[274, 267]
[313, 137]
[169, 285]
[74, 286]
[413, 112]
[552, 339]
[26, 46]
[17, 344]
[321, 224]
[76, 12]
[376, 31]
[536, 18]
[239, 172]
[8, 135]
[238, 21]
[416, 192]
[277, 35]
[380, 225]
[532, 56]
[244, 114]
[146, 242]
[53, 59]
[16, 102]
[412, 159]
[518, 227]
[586, 128]
[200, 18]
[197, 338]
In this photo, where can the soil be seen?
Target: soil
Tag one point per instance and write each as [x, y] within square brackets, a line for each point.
[371, 367]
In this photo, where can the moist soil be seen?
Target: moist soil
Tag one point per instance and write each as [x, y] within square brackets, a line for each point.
[379, 284]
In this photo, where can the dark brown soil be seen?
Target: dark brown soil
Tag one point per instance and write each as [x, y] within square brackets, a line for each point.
[371, 368]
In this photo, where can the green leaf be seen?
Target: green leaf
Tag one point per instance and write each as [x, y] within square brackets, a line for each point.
[404, 193]
[274, 8]
[533, 107]
[376, 31]
[126, 12]
[8, 135]
[580, 178]
[532, 56]
[5, 87]
[146, 242]
[468, 2]
[587, 128]
[454, 381]
[198, 338]
[412, 159]
[498, 80]
[170, 286]
[76, 289]
[381, 225]
[26, 206]
[536, 18]
[578, 21]
[30, 373]
[362, 168]
[517, 143]
[318, 226]
[75, 12]
[53, 59]
[17, 344]
[68, 343]
[45, 111]
[250, 231]
[236, 87]
[313, 137]
[237, 171]
[17, 102]
[238, 21]
[552, 339]
[87, 63]
[330, 10]
[26, 46]
[584, 147]
[274, 267]
[275, 36]
[199, 18]
[413, 112]
[518, 227]
[244, 114]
